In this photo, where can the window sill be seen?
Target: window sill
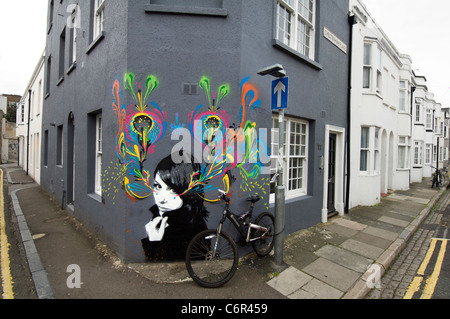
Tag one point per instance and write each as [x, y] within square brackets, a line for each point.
[288, 199]
[157, 8]
[95, 42]
[283, 47]
[370, 92]
[61, 80]
[97, 197]
[72, 67]
[369, 174]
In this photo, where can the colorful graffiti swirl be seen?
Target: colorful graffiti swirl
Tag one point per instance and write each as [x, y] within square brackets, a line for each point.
[224, 143]
[139, 130]
[228, 146]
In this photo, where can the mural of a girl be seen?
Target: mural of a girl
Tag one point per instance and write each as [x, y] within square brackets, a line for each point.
[177, 216]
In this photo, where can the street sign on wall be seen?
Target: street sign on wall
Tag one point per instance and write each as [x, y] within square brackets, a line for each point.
[280, 93]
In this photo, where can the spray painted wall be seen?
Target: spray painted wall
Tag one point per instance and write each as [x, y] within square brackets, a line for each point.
[208, 152]
[183, 114]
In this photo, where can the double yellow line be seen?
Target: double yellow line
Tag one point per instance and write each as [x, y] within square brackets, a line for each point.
[7, 283]
[431, 282]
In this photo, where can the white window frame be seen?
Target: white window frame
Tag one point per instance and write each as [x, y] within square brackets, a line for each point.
[428, 154]
[418, 153]
[22, 114]
[98, 153]
[99, 18]
[403, 147]
[367, 65]
[366, 150]
[403, 95]
[373, 67]
[293, 151]
[295, 25]
[436, 124]
[376, 161]
[428, 119]
[73, 32]
[434, 153]
[379, 79]
[418, 113]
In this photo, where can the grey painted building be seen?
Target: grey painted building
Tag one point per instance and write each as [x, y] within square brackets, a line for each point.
[128, 83]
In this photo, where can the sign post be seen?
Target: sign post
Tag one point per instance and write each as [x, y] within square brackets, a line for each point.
[280, 97]
[280, 94]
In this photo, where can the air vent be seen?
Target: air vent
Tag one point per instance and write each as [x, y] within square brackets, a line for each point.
[189, 88]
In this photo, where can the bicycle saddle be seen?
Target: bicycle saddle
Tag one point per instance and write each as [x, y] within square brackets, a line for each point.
[253, 199]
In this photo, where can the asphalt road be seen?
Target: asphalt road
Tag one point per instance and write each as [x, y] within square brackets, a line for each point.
[432, 279]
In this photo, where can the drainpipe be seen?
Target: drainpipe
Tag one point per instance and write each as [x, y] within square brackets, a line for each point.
[352, 20]
[28, 133]
[413, 89]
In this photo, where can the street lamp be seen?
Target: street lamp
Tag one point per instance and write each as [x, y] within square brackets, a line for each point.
[278, 72]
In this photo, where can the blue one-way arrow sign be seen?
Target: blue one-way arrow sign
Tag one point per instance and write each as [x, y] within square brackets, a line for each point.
[280, 93]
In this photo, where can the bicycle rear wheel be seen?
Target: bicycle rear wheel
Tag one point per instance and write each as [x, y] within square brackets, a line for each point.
[264, 245]
[442, 179]
[208, 268]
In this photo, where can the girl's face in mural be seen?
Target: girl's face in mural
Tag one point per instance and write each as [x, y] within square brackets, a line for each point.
[165, 198]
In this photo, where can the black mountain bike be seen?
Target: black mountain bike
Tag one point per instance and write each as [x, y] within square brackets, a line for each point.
[438, 178]
[212, 255]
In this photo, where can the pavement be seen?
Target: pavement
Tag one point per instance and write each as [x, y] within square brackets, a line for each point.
[344, 258]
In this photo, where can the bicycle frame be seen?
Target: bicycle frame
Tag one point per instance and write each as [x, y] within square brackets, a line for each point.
[238, 224]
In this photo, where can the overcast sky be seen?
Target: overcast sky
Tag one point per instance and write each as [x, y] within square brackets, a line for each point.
[419, 28]
[416, 27]
[23, 26]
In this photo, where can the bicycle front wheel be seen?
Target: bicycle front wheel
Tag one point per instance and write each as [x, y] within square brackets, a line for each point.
[211, 260]
[263, 246]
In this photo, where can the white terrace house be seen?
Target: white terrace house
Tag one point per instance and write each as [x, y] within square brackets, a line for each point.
[29, 123]
[429, 133]
[381, 128]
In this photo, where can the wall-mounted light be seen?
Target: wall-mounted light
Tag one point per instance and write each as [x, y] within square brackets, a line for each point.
[274, 70]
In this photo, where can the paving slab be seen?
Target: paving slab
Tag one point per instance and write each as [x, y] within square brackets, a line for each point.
[404, 212]
[372, 240]
[345, 258]
[340, 230]
[363, 249]
[321, 290]
[350, 224]
[395, 215]
[393, 221]
[333, 274]
[410, 198]
[299, 257]
[289, 281]
[386, 234]
[302, 294]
